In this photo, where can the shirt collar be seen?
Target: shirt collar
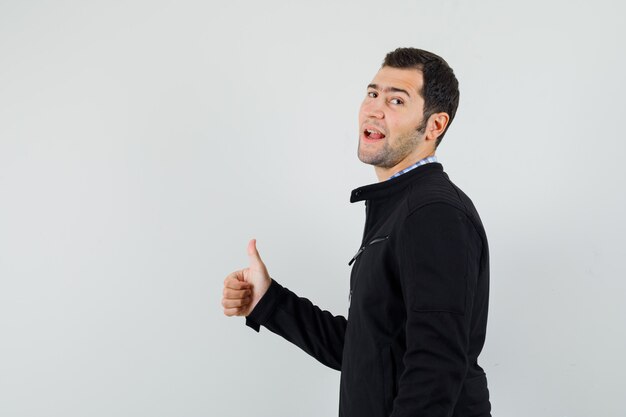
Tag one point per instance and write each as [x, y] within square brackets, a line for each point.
[427, 160]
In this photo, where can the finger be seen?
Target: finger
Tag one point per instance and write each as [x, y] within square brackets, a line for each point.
[228, 303]
[231, 293]
[237, 285]
[253, 255]
[234, 276]
[233, 311]
[234, 283]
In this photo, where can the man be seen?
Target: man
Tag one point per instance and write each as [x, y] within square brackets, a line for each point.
[420, 280]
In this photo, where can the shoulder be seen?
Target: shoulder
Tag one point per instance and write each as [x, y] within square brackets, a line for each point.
[435, 205]
[436, 218]
[435, 189]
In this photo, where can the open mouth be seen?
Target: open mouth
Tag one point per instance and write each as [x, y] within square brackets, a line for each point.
[373, 134]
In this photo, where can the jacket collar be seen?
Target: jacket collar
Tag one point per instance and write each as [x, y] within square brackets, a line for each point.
[394, 185]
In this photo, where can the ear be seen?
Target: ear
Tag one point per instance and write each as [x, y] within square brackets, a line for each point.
[436, 125]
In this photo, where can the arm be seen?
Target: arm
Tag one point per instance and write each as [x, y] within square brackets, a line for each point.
[317, 332]
[439, 253]
[252, 293]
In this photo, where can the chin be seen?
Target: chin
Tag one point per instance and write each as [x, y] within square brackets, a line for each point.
[368, 159]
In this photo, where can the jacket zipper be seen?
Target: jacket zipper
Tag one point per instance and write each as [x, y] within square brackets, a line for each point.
[360, 251]
[362, 248]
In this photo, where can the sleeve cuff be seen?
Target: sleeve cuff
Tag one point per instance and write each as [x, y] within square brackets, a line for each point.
[265, 307]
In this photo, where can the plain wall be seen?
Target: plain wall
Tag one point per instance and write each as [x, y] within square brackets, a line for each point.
[143, 143]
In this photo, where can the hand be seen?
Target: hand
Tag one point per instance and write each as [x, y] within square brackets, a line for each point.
[244, 288]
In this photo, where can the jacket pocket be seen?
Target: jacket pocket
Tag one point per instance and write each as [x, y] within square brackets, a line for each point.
[362, 248]
[374, 241]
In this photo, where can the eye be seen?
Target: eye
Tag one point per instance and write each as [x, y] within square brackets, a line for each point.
[372, 94]
[396, 101]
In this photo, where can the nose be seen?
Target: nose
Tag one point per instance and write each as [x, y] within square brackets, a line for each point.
[373, 109]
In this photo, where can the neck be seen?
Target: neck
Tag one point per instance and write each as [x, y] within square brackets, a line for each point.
[383, 173]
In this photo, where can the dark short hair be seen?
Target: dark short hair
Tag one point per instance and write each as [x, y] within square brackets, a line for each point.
[441, 88]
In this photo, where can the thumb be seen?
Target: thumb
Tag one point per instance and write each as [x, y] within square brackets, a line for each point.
[253, 255]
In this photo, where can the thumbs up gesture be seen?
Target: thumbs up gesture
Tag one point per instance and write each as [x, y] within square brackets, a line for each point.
[244, 288]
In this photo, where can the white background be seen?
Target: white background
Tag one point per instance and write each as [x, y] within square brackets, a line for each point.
[143, 143]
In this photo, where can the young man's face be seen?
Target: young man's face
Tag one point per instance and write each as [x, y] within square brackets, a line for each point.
[389, 119]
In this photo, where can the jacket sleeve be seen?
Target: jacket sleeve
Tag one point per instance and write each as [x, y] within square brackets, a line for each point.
[317, 332]
[438, 255]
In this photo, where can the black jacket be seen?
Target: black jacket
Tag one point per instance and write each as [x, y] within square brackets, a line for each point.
[418, 313]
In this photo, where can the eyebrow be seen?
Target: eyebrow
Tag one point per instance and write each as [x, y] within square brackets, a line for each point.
[387, 89]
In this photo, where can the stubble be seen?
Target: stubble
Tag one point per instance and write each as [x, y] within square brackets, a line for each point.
[389, 155]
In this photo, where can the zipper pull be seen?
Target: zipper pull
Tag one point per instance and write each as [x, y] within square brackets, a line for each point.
[378, 239]
[361, 249]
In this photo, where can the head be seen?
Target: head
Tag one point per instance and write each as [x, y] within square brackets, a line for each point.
[408, 107]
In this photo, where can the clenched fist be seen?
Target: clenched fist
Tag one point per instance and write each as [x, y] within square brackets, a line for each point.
[244, 288]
